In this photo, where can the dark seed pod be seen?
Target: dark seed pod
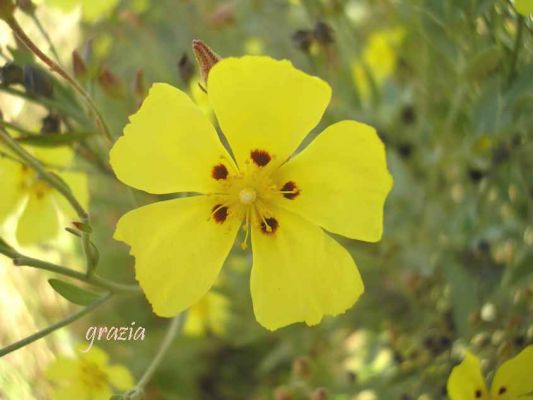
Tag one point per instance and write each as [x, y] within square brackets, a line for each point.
[408, 115]
[475, 174]
[11, 74]
[185, 68]
[405, 149]
[51, 124]
[303, 39]
[37, 81]
[323, 33]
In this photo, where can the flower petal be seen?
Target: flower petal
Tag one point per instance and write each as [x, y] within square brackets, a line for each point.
[39, 221]
[101, 393]
[74, 390]
[120, 377]
[62, 368]
[466, 382]
[343, 181]
[95, 355]
[265, 104]
[210, 314]
[300, 273]
[169, 146]
[10, 187]
[178, 249]
[513, 379]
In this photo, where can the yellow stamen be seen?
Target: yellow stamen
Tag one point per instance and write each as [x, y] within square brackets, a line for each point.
[246, 227]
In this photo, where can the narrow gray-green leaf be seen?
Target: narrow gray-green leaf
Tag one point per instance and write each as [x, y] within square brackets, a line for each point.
[73, 293]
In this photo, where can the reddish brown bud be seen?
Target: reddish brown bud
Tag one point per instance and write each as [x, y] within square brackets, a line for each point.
[78, 65]
[205, 57]
[83, 227]
[110, 83]
[139, 85]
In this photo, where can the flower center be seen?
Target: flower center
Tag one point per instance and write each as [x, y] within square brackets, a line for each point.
[92, 376]
[247, 196]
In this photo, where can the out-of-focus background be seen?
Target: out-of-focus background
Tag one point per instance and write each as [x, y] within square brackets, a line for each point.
[449, 86]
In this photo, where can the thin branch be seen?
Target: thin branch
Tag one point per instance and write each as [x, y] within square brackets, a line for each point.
[174, 330]
[24, 261]
[46, 37]
[21, 35]
[46, 331]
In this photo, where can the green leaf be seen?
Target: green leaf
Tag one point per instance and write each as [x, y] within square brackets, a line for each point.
[52, 140]
[72, 293]
[484, 62]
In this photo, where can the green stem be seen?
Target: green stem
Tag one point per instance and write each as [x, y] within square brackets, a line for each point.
[46, 331]
[174, 329]
[22, 260]
[41, 29]
[516, 48]
[21, 35]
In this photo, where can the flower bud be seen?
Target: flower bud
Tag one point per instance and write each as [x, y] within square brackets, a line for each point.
[111, 83]
[11, 74]
[185, 68]
[205, 57]
[323, 33]
[51, 124]
[78, 66]
[301, 368]
[303, 39]
[139, 85]
[37, 81]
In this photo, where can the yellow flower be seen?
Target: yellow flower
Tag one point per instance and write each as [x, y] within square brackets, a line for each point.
[88, 376]
[378, 59]
[265, 108]
[512, 380]
[43, 207]
[209, 315]
[524, 7]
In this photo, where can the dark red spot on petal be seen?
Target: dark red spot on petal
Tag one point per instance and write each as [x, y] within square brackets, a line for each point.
[502, 390]
[260, 157]
[478, 394]
[290, 190]
[269, 225]
[220, 213]
[219, 172]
